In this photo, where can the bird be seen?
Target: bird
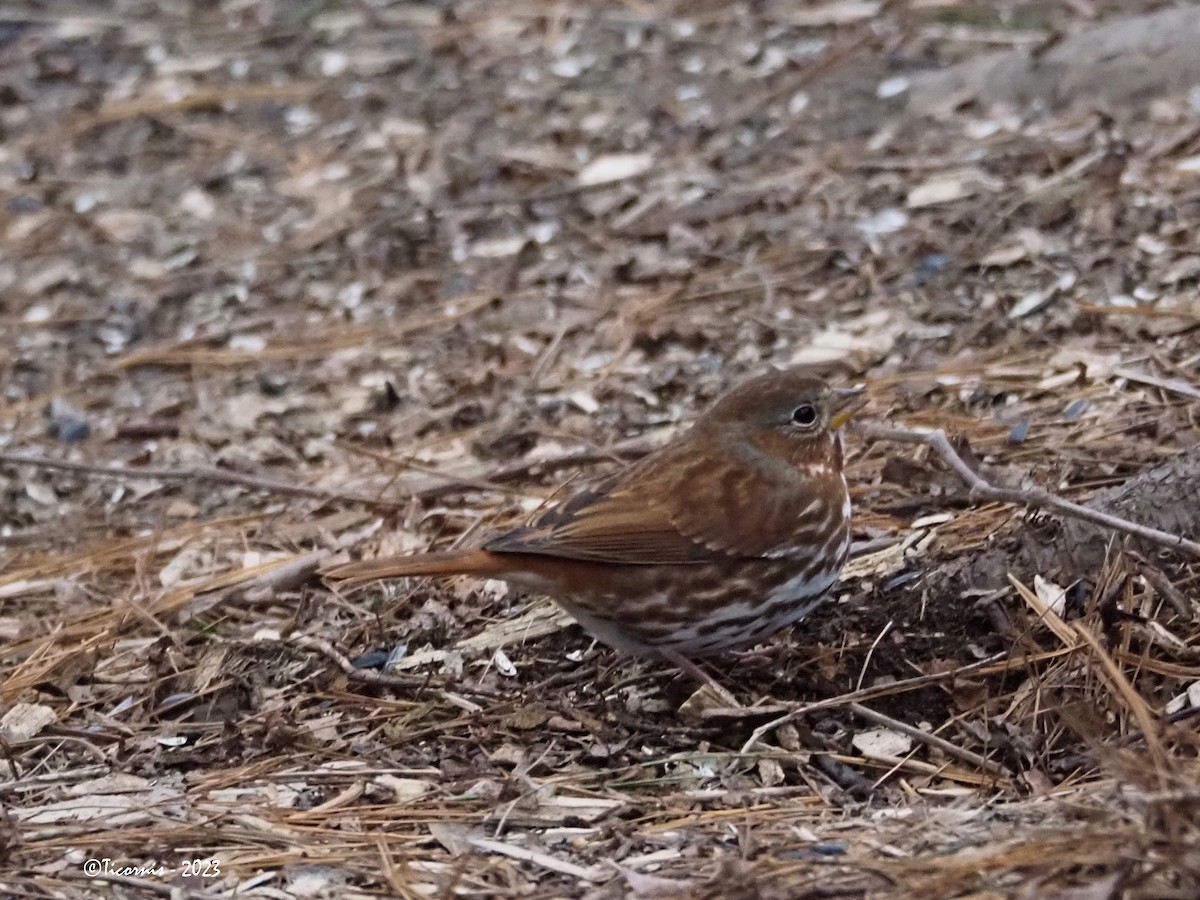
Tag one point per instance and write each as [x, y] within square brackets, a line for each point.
[727, 534]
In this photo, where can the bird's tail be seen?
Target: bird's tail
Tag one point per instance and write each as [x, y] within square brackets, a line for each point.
[476, 562]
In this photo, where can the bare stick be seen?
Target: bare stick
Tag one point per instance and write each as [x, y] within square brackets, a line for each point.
[631, 449]
[1182, 715]
[980, 489]
[871, 693]
[924, 737]
[200, 474]
[370, 676]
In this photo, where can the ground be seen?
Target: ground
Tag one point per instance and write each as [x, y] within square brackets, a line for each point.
[287, 283]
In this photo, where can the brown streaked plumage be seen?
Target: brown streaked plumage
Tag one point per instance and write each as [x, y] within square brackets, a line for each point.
[719, 539]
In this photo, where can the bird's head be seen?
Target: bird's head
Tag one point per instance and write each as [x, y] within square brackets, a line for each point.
[789, 414]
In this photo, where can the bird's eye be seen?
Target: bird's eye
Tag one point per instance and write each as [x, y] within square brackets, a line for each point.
[804, 415]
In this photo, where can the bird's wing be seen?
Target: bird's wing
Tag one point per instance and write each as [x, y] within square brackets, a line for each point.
[604, 525]
[751, 508]
[684, 508]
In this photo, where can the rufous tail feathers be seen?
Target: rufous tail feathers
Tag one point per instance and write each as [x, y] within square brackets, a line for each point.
[477, 562]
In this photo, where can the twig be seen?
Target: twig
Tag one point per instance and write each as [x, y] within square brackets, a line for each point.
[862, 674]
[1182, 715]
[200, 474]
[981, 489]
[538, 858]
[932, 740]
[871, 693]
[370, 676]
[1162, 584]
[40, 782]
[283, 576]
[625, 450]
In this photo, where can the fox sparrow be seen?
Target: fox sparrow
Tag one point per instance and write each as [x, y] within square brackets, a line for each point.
[719, 539]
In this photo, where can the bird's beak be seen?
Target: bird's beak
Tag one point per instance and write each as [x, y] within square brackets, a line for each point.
[846, 402]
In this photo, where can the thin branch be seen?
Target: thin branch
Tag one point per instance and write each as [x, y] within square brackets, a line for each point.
[981, 489]
[932, 740]
[283, 576]
[871, 693]
[862, 673]
[1182, 715]
[199, 474]
[370, 676]
[631, 449]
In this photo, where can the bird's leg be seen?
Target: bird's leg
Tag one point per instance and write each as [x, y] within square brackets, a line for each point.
[688, 667]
